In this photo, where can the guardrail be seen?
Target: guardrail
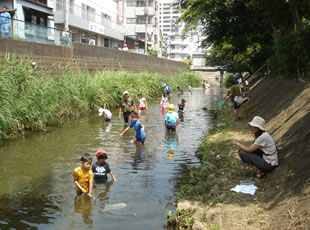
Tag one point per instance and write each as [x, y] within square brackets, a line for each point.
[22, 30]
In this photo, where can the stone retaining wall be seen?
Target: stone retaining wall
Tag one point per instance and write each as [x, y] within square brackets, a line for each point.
[80, 57]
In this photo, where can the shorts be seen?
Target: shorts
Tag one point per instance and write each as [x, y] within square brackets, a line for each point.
[107, 120]
[140, 140]
[171, 126]
[162, 107]
[142, 108]
[236, 105]
[126, 116]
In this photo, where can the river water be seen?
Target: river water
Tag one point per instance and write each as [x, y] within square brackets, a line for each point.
[37, 190]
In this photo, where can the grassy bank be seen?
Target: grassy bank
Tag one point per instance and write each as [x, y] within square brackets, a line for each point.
[31, 101]
[220, 171]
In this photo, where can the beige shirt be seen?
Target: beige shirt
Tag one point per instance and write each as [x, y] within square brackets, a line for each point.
[268, 146]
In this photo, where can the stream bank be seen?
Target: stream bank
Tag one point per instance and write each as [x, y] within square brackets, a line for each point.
[282, 198]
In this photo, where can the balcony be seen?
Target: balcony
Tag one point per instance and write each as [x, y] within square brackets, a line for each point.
[27, 31]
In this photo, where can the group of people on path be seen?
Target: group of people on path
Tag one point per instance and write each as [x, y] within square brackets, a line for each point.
[85, 175]
[262, 155]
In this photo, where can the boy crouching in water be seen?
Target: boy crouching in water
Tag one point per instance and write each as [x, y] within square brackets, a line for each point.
[83, 176]
[140, 134]
[101, 168]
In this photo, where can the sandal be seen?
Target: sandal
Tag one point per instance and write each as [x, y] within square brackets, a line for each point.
[260, 175]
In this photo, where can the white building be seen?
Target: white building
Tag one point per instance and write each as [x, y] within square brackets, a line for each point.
[176, 46]
[134, 19]
[91, 18]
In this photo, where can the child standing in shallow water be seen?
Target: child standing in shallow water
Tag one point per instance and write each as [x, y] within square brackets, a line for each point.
[101, 169]
[164, 102]
[140, 134]
[142, 104]
[83, 176]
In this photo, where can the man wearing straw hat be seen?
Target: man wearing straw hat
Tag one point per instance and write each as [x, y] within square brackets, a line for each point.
[262, 155]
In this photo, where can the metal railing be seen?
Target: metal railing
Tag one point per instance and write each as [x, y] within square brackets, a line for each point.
[22, 30]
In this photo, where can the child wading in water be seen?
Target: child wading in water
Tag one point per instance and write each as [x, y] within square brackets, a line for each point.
[105, 114]
[140, 134]
[142, 104]
[101, 169]
[164, 102]
[171, 119]
[83, 176]
[181, 109]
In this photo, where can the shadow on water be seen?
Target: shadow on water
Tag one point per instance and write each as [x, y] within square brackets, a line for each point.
[37, 186]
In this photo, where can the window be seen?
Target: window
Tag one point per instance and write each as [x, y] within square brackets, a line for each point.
[131, 21]
[59, 5]
[88, 12]
[131, 3]
[141, 20]
[166, 12]
[71, 7]
[42, 21]
[172, 47]
[33, 19]
[166, 17]
[167, 21]
[172, 56]
[166, 9]
[141, 3]
[166, 30]
[106, 43]
[166, 26]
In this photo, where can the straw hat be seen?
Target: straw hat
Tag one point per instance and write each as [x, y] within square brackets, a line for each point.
[258, 122]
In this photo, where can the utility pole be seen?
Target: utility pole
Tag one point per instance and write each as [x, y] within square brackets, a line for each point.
[146, 12]
[66, 12]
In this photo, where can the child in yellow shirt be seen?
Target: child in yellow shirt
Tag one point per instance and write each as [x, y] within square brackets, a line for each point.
[83, 176]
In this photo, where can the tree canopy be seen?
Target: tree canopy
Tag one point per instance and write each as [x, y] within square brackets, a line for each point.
[244, 34]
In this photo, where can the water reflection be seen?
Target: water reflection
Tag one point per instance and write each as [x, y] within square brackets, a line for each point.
[84, 205]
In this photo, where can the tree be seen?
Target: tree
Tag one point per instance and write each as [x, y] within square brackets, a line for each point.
[245, 33]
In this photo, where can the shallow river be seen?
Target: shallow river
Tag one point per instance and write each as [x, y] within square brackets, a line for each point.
[37, 190]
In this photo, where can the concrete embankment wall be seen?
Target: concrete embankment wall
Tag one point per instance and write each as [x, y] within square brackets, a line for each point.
[286, 108]
[51, 58]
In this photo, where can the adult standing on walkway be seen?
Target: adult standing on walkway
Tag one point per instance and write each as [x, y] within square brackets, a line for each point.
[262, 155]
[5, 21]
[92, 41]
[126, 107]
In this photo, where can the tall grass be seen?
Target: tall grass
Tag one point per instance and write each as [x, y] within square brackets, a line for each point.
[32, 101]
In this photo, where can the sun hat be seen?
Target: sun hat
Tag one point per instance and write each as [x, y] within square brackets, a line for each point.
[258, 122]
[164, 84]
[100, 111]
[170, 108]
[101, 152]
[125, 92]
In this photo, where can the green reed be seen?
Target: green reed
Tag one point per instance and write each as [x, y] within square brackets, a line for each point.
[31, 101]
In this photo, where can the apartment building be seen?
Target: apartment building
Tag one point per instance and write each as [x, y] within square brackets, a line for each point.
[89, 19]
[176, 45]
[134, 14]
